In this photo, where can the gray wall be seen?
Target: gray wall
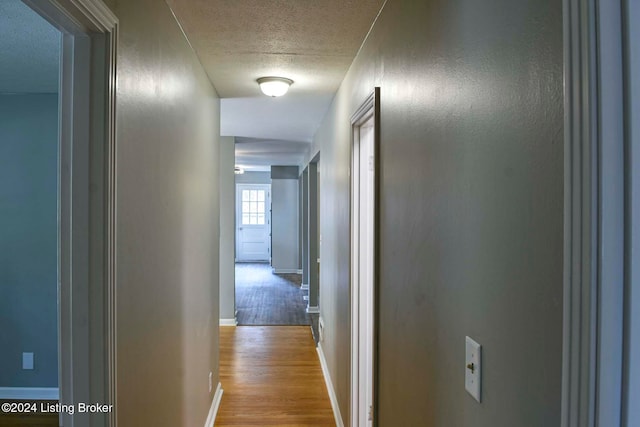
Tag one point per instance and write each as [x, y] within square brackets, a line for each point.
[284, 224]
[305, 227]
[300, 220]
[28, 239]
[312, 242]
[284, 172]
[251, 177]
[471, 211]
[168, 218]
[227, 229]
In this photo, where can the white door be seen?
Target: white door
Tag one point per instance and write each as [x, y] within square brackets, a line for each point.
[253, 222]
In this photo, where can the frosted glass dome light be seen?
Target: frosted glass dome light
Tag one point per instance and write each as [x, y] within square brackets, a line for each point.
[274, 86]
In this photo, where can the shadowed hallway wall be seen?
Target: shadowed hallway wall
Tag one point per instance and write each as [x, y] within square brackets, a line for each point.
[167, 222]
[227, 229]
[471, 205]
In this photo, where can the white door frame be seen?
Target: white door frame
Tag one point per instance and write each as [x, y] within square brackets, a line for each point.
[86, 211]
[238, 213]
[597, 252]
[364, 301]
[631, 41]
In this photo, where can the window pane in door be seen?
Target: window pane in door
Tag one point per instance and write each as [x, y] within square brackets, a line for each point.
[254, 207]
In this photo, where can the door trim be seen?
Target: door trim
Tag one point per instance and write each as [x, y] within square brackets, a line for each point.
[631, 59]
[594, 217]
[87, 202]
[369, 108]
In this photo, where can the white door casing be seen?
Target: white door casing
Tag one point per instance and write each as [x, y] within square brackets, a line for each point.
[86, 211]
[363, 262]
[366, 265]
[253, 222]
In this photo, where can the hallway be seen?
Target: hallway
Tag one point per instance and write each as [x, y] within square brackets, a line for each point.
[271, 377]
[500, 147]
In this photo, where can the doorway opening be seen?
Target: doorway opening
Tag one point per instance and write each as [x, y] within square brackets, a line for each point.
[29, 200]
[267, 280]
[77, 141]
[364, 245]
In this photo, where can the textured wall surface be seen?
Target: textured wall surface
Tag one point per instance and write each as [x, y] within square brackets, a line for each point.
[471, 211]
[168, 219]
[30, 50]
[29, 239]
[284, 224]
[227, 229]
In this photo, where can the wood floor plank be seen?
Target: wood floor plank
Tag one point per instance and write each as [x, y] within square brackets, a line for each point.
[37, 419]
[271, 376]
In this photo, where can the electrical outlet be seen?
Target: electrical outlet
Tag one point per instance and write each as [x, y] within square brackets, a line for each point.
[27, 361]
[210, 381]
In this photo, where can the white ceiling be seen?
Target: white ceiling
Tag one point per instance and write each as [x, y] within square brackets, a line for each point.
[293, 117]
[312, 42]
[29, 50]
[259, 154]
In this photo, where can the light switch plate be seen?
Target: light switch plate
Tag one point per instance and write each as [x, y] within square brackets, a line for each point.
[473, 368]
[27, 361]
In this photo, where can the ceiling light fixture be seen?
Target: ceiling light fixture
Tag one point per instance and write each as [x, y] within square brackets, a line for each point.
[274, 86]
[238, 170]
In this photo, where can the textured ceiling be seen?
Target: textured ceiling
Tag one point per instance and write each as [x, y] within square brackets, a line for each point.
[312, 42]
[29, 50]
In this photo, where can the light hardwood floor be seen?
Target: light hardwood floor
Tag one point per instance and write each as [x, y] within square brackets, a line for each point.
[36, 419]
[271, 376]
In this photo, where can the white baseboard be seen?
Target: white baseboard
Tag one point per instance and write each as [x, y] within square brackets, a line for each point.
[304, 286]
[312, 310]
[332, 393]
[285, 271]
[229, 322]
[29, 393]
[215, 404]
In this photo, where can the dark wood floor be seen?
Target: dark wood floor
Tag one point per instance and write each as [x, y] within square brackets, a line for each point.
[28, 420]
[271, 376]
[264, 298]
